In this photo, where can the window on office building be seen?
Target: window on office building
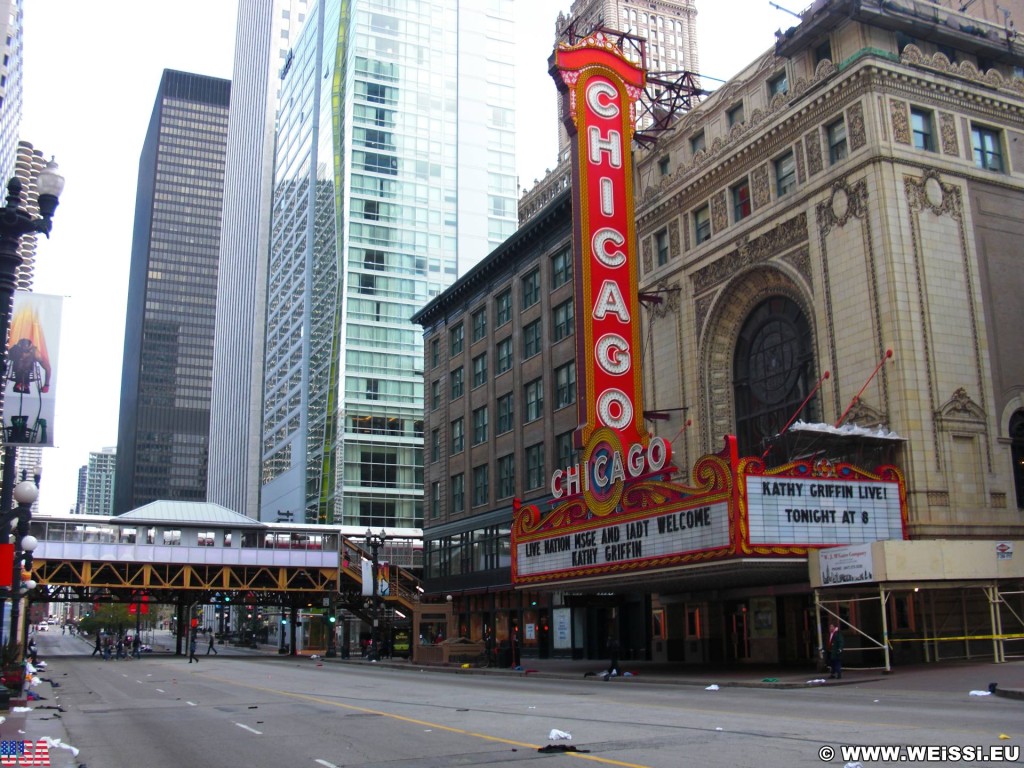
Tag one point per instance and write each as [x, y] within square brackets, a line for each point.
[502, 308]
[503, 355]
[563, 320]
[922, 128]
[740, 200]
[836, 134]
[565, 385]
[535, 466]
[561, 268]
[702, 224]
[456, 336]
[534, 400]
[506, 413]
[531, 339]
[661, 247]
[785, 174]
[506, 476]
[531, 289]
[988, 148]
[458, 494]
[456, 383]
[479, 324]
[480, 425]
[480, 369]
[458, 435]
[480, 483]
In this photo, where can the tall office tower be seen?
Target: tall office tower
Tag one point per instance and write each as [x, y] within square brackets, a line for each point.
[11, 77]
[395, 173]
[669, 28]
[263, 38]
[164, 424]
[99, 482]
[79, 508]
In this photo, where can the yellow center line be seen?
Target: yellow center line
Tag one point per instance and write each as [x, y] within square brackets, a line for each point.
[414, 721]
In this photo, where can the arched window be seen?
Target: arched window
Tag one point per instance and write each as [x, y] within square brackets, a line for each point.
[1017, 452]
[771, 372]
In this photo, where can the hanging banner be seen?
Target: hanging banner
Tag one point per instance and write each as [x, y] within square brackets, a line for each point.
[6, 565]
[31, 376]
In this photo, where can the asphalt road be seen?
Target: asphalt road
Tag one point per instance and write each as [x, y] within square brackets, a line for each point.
[235, 711]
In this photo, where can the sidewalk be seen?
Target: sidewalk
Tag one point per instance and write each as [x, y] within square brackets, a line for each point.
[944, 677]
[39, 719]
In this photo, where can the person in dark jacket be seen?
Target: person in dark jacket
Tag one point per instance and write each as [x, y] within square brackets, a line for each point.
[834, 651]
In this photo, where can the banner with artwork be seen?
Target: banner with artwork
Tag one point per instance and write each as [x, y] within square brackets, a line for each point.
[30, 378]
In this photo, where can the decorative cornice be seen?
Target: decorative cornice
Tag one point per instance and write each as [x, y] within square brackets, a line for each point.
[786, 235]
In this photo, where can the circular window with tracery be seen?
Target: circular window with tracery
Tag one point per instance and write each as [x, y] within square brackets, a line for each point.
[771, 367]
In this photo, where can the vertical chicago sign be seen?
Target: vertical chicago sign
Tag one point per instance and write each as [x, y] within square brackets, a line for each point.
[601, 87]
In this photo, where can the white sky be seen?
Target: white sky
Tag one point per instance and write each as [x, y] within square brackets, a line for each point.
[89, 92]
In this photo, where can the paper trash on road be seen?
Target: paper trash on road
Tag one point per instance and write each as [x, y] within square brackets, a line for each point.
[980, 693]
[711, 687]
[556, 735]
[58, 743]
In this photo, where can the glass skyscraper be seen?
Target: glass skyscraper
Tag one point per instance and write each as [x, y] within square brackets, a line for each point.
[264, 35]
[394, 174]
[164, 423]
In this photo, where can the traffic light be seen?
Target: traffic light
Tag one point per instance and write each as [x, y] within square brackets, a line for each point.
[332, 619]
[227, 598]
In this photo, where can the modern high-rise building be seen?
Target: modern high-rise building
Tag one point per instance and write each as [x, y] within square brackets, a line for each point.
[394, 174]
[11, 78]
[83, 475]
[265, 32]
[164, 424]
[99, 482]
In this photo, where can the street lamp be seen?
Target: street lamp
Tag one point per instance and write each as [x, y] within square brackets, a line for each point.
[375, 541]
[15, 223]
[25, 494]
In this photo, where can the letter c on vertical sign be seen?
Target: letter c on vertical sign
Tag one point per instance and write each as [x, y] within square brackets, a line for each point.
[603, 107]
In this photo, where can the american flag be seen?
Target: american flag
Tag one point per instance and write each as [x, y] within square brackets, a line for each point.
[24, 753]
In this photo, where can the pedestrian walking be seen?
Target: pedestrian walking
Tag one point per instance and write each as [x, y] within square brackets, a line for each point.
[834, 651]
[192, 650]
[137, 646]
[613, 658]
[99, 646]
[211, 646]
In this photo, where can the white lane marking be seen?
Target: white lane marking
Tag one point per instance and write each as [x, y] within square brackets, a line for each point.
[251, 730]
[325, 764]
[160, 690]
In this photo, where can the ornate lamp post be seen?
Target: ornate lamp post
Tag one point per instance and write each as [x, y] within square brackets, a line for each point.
[15, 223]
[25, 493]
[375, 541]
